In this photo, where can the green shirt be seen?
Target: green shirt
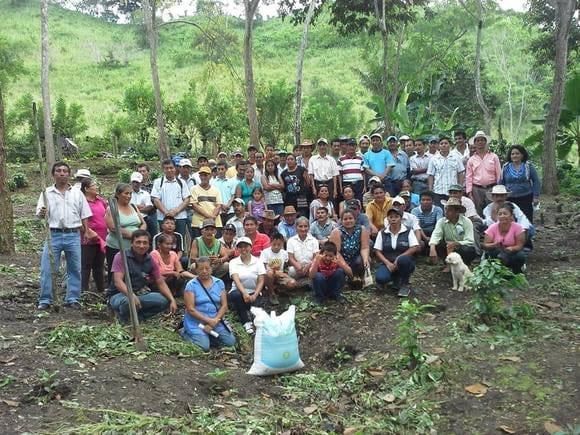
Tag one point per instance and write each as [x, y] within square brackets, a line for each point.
[461, 232]
[204, 251]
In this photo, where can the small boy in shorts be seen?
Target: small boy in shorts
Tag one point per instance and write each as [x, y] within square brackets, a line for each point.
[275, 259]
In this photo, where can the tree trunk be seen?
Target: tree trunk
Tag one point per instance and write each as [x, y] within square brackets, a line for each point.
[44, 82]
[6, 217]
[299, 65]
[250, 7]
[149, 18]
[478, 93]
[564, 12]
[396, 68]
[380, 13]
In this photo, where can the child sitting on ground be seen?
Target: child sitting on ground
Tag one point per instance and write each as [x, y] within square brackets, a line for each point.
[328, 273]
[168, 227]
[275, 259]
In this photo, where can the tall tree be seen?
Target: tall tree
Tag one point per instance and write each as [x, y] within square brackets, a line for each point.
[250, 7]
[564, 14]
[299, 67]
[45, 84]
[478, 94]
[10, 67]
[149, 19]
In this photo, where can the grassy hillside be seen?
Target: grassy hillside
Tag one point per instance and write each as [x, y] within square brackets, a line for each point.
[79, 44]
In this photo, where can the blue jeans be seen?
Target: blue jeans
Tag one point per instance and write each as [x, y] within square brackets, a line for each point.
[205, 341]
[405, 267]
[70, 244]
[151, 304]
[328, 287]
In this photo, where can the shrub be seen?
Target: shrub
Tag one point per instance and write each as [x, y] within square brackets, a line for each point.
[125, 175]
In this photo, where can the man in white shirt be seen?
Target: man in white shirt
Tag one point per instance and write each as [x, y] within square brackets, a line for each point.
[140, 198]
[67, 214]
[323, 169]
[409, 220]
[419, 163]
[171, 197]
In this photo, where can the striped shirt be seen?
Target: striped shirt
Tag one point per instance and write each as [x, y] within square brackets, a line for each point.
[351, 168]
[428, 220]
[208, 199]
[171, 194]
[445, 171]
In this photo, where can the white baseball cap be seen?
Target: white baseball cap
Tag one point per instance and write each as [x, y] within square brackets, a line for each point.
[136, 176]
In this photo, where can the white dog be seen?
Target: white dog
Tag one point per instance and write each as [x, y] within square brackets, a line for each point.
[459, 270]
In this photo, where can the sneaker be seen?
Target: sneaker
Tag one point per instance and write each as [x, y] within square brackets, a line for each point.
[73, 305]
[43, 307]
[274, 300]
[249, 327]
[524, 268]
[404, 292]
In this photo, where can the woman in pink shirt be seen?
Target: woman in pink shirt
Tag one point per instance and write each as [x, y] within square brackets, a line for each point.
[169, 265]
[505, 239]
[93, 250]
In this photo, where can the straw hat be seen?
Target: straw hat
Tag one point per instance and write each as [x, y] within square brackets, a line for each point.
[454, 202]
[480, 133]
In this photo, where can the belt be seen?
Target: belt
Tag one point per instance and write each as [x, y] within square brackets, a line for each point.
[485, 187]
[64, 230]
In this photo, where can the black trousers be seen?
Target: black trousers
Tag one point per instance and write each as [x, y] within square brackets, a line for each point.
[467, 253]
[92, 260]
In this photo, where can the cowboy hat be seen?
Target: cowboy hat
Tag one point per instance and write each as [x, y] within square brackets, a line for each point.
[289, 209]
[454, 202]
[271, 215]
[480, 133]
[498, 189]
[83, 173]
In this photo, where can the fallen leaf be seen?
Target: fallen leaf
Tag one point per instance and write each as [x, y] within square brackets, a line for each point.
[376, 373]
[239, 403]
[478, 389]
[361, 357]
[552, 428]
[439, 350]
[510, 358]
[507, 429]
[12, 403]
[349, 431]
[389, 398]
[7, 360]
[431, 359]
[550, 304]
[138, 376]
[310, 409]
[229, 414]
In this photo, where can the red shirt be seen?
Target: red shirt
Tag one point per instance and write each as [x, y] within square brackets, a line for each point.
[261, 242]
[327, 269]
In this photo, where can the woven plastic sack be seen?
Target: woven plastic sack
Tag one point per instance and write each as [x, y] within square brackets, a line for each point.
[276, 344]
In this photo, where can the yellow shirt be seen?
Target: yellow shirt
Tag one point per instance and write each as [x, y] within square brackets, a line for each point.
[377, 214]
[208, 200]
[231, 172]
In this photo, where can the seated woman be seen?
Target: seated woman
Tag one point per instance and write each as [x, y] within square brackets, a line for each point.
[395, 247]
[169, 265]
[302, 248]
[247, 273]
[208, 246]
[327, 273]
[206, 305]
[347, 194]
[505, 239]
[323, 200]
[353, 243]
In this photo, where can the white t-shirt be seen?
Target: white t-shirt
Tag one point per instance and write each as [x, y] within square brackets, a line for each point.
[247, 273]
[141, 198]
[304, 251]
[274, 259]
[379, 241]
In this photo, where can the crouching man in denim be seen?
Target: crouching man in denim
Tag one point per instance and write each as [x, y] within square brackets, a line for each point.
[152, 296]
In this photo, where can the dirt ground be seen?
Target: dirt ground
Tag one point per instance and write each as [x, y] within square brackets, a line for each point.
[530, 376]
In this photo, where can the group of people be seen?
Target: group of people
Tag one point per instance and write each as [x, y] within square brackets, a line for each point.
[240, 232]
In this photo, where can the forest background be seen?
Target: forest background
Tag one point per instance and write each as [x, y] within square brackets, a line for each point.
[102, 94]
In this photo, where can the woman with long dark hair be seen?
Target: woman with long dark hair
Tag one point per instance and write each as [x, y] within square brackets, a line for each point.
[273, 187]
[521, 179]
[295, 179]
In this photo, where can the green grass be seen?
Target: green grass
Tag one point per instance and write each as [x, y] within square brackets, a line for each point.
[79, 42]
